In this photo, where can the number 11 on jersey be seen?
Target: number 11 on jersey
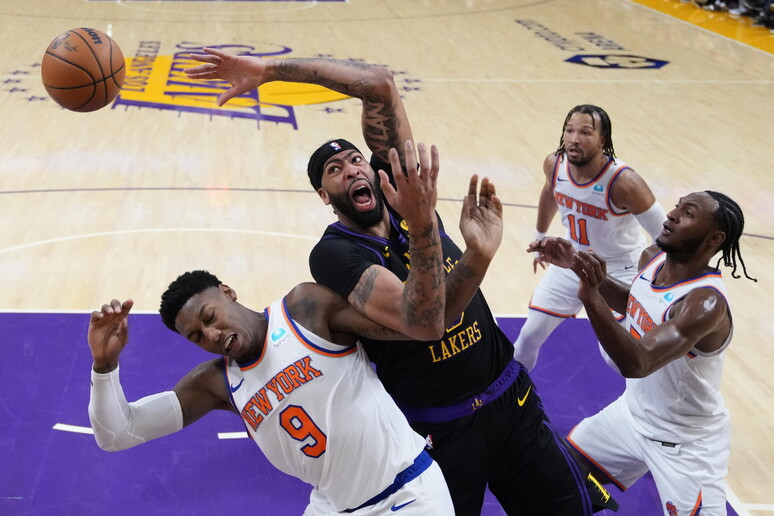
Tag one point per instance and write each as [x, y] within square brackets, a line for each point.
[578, 231]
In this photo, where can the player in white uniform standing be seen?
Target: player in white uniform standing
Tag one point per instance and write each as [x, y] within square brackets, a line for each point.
[604, 205]
[671, 419]
[296, 375]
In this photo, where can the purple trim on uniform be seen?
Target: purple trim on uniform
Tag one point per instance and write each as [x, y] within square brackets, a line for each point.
[468, 406]
[228, 383]
[421, 463]
[257, 359]
[668, 308]
[609, 201]
[595, 179]
[381, 259]
[300, 335]
[656, 288]
[344, 229]
[555, 172]
[641, 273]
[577, 474]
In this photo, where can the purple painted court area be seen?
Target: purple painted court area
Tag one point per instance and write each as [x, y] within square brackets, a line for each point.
[45, 362]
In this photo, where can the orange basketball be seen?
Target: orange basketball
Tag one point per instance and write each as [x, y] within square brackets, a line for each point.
[83, 69]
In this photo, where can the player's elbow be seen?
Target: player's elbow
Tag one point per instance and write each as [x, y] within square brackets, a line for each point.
[635, 369]
[382, 82]
[424, 331]
[107, 441]
[435, 333]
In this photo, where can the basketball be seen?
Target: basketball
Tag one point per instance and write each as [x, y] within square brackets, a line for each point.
[83, 69]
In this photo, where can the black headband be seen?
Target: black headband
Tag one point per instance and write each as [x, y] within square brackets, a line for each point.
[323, 154]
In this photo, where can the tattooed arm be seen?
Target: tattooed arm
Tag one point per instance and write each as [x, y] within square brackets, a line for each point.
[327, 314]
[384, 121]
[481, 225]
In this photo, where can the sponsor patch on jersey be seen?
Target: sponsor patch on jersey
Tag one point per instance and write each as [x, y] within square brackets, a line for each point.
[279, 336]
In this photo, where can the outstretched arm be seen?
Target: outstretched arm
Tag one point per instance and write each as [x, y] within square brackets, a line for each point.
[698, 320]
[417, 307]
[481, 225]
[384, 121]
[118, 424]
[560, 252]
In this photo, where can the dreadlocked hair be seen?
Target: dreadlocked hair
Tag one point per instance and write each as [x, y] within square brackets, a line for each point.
[180, 291]
[730, 219]
[605, 127]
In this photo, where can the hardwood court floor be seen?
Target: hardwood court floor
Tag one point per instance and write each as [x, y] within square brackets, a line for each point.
[118, 202]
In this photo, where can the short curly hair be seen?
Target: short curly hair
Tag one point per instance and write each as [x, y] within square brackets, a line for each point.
[180, 291]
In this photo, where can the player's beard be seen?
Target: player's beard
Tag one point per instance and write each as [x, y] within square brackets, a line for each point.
[581, 160]
[688, 247]
[344, 205]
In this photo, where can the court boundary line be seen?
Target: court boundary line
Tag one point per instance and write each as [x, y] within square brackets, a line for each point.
[705, 29]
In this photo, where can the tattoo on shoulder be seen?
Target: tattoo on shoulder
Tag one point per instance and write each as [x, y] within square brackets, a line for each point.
[304, 310]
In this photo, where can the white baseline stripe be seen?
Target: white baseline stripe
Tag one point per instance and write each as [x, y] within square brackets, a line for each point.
[232, 435]
[73, 428]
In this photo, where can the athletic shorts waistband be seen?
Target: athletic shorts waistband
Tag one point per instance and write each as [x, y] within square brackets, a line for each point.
[421, 463]
[468, 406]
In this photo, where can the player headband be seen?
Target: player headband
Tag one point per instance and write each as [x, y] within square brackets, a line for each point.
[323, 154]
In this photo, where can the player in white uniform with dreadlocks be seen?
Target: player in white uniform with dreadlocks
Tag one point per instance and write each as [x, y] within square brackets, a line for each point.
[671, 419]
[604, 206]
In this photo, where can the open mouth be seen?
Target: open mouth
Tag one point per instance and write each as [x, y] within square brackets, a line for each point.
[362, 195]
[231, 344]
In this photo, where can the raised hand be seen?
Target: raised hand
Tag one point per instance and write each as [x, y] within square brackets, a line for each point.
[108, 334]
[552, 250]
[245, 73]
[416, 195]
[591, 269]
[481, 220]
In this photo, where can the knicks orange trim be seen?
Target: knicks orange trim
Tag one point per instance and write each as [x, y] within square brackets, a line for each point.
[686, 282]
[317, 349]
[596, 178]
[257, 361]
[555, 174]
[549, 312]
[609, 477]
[650, 262]
[610, 189]
[697, 506]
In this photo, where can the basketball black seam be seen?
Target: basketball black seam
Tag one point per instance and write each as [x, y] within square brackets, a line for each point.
[93, 54]
[93, 83]
[71, 64]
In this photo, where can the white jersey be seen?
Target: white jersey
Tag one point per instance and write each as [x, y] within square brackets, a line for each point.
[680, 402]
[591, 219]
[319, 413]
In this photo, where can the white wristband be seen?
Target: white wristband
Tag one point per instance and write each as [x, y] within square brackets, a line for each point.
[539, 235]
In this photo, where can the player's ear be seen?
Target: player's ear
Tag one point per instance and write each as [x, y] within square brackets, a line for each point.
[228, 291]
[323, 195]
[716, 239]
